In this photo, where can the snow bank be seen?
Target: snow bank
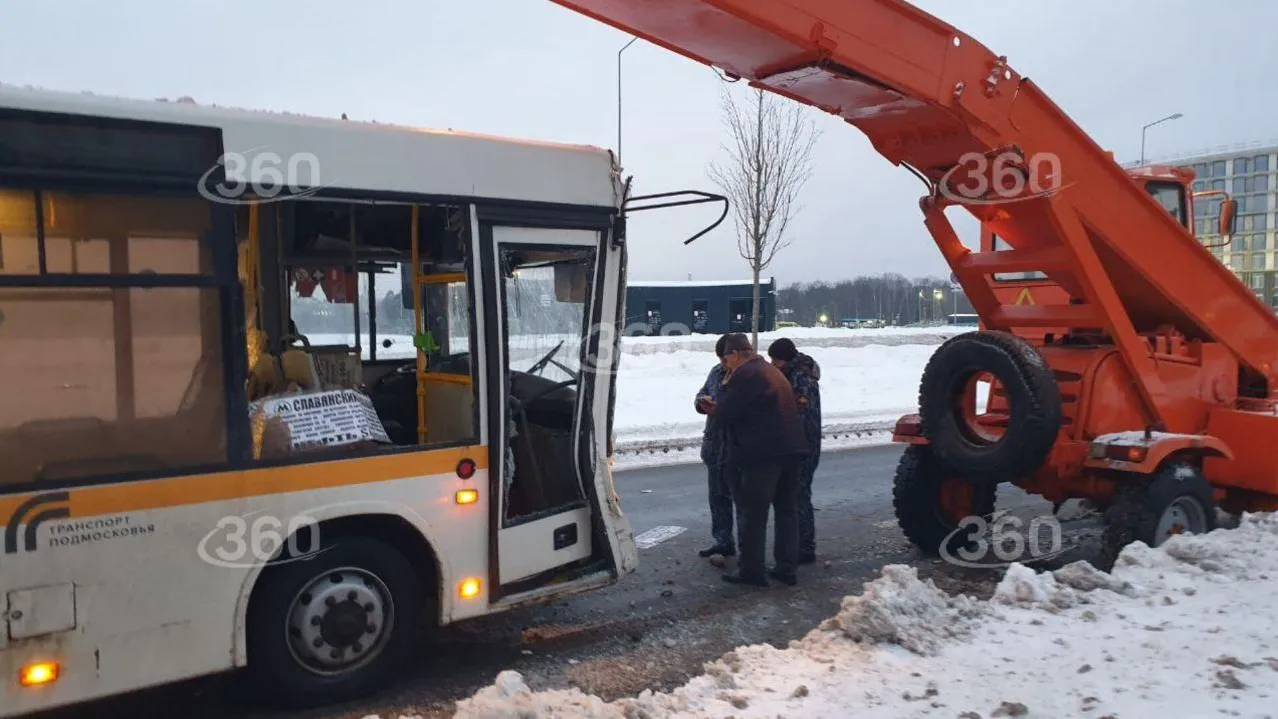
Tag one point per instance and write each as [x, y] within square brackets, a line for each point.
[873, 383]
[805, 337]
[1187, 629]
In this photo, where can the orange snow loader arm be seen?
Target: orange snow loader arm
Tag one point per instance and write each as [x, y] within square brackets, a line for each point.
[932, 98]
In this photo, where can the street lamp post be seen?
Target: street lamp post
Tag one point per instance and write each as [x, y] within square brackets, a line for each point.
[1175, 116]
[623, 49]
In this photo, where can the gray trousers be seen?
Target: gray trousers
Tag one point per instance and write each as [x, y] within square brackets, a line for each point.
[762, 486]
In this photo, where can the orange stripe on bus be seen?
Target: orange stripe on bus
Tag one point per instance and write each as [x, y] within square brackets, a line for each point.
[256, 482]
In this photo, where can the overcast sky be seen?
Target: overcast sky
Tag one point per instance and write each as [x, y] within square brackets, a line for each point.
[529, 68]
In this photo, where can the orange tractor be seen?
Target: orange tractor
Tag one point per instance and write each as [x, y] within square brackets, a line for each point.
[1148, 386]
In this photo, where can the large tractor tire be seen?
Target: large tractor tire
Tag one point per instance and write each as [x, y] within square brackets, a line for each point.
[930, 507]
[1177, 499]
[1033, 398]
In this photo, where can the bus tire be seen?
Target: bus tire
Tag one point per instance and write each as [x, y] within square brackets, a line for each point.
[1034, 406]
[335, 625]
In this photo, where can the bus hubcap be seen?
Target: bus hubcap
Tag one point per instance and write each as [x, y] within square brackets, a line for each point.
[340, 620]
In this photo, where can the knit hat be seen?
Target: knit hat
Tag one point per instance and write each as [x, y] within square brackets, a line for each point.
[783, 349]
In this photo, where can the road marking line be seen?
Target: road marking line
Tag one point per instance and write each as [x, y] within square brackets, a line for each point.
[657, 535]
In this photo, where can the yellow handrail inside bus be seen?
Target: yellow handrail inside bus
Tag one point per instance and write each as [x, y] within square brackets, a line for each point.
[256, 342]
[418, 329]
[443, 279]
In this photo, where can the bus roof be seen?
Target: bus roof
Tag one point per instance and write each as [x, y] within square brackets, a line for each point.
[367, 156]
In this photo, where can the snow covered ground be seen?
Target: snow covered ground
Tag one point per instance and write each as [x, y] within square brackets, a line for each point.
[869, 378]
[1187, 630]
[866, 383]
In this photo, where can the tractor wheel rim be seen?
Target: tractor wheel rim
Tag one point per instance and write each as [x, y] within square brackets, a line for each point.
[339, 621]
[971, 422]
[1183, 515]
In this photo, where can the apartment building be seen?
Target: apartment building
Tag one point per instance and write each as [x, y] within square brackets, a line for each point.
[1247, 174]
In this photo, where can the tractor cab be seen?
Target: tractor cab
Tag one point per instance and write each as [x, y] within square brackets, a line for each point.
[1169, 185]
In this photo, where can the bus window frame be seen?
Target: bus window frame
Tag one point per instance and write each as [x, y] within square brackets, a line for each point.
[481, 213]
[223, 240]
[583, 415]
[599, 219]
[289, 260]
[224, 278]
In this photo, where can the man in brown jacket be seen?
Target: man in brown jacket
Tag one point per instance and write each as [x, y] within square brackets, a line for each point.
[765, 450]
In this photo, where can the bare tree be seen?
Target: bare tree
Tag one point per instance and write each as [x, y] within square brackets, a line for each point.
[769, 160]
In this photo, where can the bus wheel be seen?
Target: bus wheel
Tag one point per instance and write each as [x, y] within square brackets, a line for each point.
[334, 626]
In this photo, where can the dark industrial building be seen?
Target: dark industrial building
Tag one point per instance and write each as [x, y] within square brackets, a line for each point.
[655, 308]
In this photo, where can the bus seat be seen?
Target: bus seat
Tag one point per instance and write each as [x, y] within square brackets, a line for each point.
[298, 368]
[292, 371]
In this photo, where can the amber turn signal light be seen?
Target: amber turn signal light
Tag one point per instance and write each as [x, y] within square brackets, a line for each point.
[469, 588]
[38, 673]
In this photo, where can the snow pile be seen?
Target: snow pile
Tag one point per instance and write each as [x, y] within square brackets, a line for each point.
[900, 609]
[1187, 629]
[510, 698]
[1061, 589]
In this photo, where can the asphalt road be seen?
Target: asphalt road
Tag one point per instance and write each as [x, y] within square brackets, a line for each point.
[655, 628]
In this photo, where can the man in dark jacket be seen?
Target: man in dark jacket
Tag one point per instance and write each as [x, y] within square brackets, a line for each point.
[804, 374]
[714, 455]
[765, 449]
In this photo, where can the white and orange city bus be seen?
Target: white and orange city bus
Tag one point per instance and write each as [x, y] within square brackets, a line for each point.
[284, 393]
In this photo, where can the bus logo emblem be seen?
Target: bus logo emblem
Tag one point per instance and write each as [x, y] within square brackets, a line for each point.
[33, 526]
